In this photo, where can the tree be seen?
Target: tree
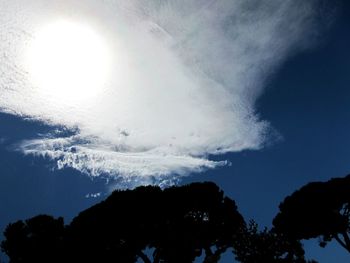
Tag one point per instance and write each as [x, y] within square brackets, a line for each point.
[318, 209]
[38, 239]
[254, 246]
[177, 224]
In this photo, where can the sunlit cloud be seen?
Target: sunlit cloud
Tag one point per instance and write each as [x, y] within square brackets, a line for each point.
[150, 89]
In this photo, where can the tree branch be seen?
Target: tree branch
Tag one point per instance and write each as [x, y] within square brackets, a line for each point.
[347, 240]
[341, 242]
[208, 251]
[156, 256]
[214, 257]
[144, 257]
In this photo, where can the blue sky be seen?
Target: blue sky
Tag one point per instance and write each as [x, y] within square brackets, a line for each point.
[305, 101]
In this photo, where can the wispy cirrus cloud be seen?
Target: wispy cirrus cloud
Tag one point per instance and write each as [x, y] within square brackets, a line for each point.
[185, 79]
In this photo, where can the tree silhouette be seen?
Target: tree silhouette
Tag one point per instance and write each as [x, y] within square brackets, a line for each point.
[178, 223]
[35, 240]
[319, 209]
[148, 224]
[255, 246]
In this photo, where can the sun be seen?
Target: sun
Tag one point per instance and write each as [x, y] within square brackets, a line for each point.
[68, 61]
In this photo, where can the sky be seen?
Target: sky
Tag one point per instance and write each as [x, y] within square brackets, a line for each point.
[251, 97]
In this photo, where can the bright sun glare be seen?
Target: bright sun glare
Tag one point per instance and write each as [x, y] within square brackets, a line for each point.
[69, 61]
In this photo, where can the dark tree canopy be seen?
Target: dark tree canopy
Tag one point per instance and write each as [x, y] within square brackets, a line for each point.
[255, 246]
[34, 240]
[178, 222]
[173, 225]
[319, 209]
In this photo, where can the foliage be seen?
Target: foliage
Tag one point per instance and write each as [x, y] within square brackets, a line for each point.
[254, 246]
[173, 225]
[34, 240]
[319, 209]
[178, 222]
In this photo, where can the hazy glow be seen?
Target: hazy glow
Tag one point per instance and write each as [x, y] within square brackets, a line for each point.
[147, 89]
[68, 61]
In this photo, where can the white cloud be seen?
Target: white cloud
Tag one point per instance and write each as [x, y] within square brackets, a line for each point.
[186, 76]
[95, 195]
